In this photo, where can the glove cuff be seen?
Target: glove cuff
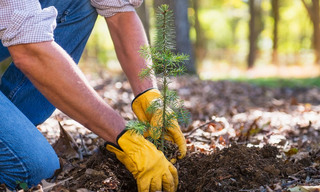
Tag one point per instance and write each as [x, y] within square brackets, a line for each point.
[141, 103]
[116, 145]
[141, 94]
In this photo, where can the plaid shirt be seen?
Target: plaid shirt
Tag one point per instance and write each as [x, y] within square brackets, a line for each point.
[23, 21]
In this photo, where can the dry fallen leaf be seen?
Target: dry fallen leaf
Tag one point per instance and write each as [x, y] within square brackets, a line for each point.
[66, 146]
[305, 189]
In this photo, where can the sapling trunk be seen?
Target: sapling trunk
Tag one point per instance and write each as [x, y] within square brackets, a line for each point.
[164, 118]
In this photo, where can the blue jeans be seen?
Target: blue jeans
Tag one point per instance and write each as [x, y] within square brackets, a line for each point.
[25, 155]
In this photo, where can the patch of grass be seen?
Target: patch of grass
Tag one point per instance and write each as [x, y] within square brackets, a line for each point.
[280, 82]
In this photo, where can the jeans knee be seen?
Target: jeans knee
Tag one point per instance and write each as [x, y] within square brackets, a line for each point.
[42, 167]
[27, 166]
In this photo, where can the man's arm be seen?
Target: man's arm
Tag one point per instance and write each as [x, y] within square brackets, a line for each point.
[56, 76]
[128, 37]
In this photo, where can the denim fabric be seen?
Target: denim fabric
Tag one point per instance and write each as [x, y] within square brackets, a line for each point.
[4, 53]
[24, 152]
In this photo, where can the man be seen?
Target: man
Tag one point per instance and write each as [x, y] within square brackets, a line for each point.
[45, 39]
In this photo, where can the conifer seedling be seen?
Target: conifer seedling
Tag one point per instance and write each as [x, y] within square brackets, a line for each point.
[165, 64]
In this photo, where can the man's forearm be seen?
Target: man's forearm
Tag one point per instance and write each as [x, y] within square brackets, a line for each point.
[57, 77]
[128, 37]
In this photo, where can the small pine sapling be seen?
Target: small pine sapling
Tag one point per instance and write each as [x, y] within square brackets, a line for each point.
[165, 64]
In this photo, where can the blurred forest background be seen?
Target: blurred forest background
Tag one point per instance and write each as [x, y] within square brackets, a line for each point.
[230, 38]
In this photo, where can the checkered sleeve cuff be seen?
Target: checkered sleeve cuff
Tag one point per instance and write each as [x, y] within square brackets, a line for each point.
[30, 27]
[108, 8]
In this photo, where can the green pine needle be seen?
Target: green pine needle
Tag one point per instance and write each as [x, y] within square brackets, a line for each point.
[137, 126]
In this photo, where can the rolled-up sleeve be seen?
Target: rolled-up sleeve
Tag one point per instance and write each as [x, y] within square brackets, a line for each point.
[108, 8]
[24, 21]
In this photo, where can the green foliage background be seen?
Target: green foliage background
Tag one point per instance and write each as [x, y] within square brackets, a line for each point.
[225, 27]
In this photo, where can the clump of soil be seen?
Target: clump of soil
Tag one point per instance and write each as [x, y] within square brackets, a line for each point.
[100, 172]
[231, 169]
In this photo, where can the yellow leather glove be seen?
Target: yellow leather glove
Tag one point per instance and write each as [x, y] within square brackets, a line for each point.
[140, 105]
[148, 165]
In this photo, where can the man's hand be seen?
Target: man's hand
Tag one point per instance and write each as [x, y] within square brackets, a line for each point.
[140, 105]
[147, 164]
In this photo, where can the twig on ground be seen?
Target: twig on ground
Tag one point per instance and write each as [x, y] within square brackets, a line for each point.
[199, 127]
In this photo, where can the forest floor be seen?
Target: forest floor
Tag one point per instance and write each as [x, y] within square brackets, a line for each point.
[242, 137]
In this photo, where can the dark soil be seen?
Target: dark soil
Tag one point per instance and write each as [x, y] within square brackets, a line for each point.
[234, 168]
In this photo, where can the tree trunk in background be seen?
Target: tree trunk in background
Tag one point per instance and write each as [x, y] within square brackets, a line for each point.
[313, 11]
[316, 30]
[200, 43]
[182, 28]
[182, 33]
[255, 27]
[144, 16]
[252, 42]
[275, 14]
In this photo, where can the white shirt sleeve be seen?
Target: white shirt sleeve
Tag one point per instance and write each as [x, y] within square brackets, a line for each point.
[23, 21]
[108, 8]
